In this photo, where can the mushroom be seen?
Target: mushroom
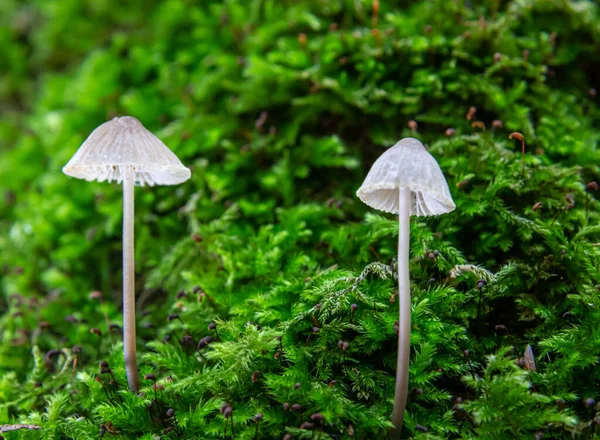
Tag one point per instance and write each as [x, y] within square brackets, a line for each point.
[124, 151]
[406, 180]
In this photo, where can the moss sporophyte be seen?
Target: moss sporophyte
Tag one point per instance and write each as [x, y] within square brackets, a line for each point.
[124, 151]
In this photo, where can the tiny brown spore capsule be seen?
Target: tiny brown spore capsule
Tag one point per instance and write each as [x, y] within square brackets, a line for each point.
[204, 342]
[172, 317]
[150, 376]
[187, 340]
[471, 113]
[593, 185]
[95, 295]
[170, 412]
[297, 385]
[296, 407]
[516, 135]
[412, 125]
[478, 124]
[255, 375]
[212, 326]
[450, 132]
[307, 425]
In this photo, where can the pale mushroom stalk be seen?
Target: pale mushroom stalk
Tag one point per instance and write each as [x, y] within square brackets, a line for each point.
[124, 151]
[406, 180]
[129, 280]
[404, 305]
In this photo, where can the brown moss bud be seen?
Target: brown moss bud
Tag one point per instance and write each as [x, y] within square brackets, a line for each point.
[516, 135]
[302, 39]
[181, 294]
[471, 113]
[172, 317]
[593, 185]
[462, 183]
[478, 124]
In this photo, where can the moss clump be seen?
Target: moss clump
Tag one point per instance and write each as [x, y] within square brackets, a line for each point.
[280, 108]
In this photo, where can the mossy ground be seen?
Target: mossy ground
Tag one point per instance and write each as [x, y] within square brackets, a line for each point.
[280, 108]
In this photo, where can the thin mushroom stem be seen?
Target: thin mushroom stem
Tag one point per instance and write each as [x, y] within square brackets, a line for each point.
[405, 199]
[129, 281]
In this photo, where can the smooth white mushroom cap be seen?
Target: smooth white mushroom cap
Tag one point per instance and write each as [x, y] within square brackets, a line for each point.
[407, 165]
[125, 144]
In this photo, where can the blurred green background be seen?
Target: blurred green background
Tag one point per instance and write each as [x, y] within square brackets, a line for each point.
[280, 108]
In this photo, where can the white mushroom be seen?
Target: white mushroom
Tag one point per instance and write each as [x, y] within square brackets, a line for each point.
[406, 180]
[124, 151]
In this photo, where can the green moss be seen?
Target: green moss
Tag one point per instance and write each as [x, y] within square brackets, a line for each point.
[279, 108]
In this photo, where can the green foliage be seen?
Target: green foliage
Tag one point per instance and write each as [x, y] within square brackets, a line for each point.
[279, 108]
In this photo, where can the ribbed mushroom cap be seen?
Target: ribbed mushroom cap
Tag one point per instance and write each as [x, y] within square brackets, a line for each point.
[121, 144]
[407, 165]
